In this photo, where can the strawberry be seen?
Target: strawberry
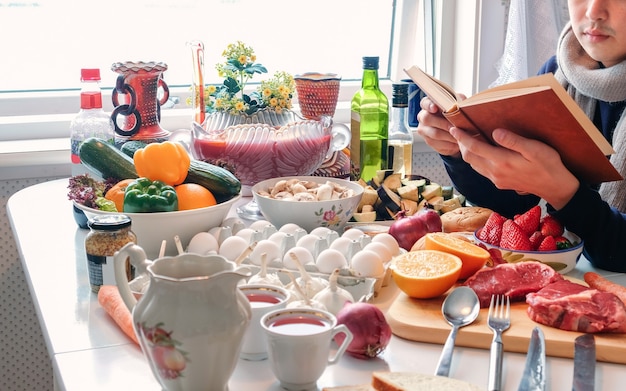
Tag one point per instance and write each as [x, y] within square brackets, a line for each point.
[535, 239]
[562, 242]
[492, 230]
[513, 237]
[529, 220]
[547, 244]
[549, 226]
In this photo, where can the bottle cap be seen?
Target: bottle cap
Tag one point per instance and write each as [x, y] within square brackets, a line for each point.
[370, 62]
[90, 74]
[109, 222]
[400, 94]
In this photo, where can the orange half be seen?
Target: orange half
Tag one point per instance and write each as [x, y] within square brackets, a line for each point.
[473, 257]
[425, 274]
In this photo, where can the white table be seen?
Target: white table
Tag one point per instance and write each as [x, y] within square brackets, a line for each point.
[89, 352]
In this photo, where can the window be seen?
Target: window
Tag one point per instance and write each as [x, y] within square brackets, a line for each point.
[39, 80]
[326, 35]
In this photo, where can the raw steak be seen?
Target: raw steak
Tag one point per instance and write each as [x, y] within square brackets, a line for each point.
[514, 280]
[575, 307]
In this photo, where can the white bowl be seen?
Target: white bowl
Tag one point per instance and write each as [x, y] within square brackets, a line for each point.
[152, 228]
[309, 215]
[563, 261]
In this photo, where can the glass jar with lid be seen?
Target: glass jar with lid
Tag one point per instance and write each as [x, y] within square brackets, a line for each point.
[108, 233]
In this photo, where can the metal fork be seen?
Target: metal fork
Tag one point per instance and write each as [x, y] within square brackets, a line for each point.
[499, 319]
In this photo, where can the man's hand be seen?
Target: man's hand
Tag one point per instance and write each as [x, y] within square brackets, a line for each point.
[520, 164]
[434, 129]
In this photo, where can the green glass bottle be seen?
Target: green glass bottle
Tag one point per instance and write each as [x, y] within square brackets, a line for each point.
[369, 125]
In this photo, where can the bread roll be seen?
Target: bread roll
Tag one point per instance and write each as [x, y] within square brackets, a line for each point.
[466, 218]
[409, 381]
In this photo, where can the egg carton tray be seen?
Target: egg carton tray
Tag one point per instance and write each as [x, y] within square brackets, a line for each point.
[361, 288]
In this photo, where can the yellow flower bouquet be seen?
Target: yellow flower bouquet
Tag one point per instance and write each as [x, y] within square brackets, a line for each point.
[238, 69]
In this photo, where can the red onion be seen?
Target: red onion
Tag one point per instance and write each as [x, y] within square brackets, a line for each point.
[370, 330]
[408, 230]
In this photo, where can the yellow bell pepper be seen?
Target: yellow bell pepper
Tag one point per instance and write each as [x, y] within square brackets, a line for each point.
[166, 161]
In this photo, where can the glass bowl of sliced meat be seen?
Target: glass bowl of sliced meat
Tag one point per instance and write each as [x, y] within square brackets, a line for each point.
[562, 257]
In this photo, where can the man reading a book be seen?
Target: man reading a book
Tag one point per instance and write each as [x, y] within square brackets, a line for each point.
[516, 173]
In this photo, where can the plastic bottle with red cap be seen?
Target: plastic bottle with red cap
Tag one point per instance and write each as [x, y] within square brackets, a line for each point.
[91, 120]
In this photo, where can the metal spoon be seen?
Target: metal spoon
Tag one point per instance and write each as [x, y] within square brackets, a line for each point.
[460, 308]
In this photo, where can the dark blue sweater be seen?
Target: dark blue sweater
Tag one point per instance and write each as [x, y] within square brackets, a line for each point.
[602, 228]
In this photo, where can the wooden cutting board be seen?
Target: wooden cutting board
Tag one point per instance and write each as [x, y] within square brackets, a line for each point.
[421, 320]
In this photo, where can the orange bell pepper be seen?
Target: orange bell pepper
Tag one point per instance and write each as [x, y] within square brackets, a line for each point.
[166, 161]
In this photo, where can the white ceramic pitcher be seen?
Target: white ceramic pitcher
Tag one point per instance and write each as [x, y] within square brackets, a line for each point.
[191, 320]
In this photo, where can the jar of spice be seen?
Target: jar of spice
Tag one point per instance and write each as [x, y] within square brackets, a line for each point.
[108, 234]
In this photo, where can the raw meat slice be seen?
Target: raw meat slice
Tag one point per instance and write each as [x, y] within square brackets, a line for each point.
[574, 307]
[514, 280]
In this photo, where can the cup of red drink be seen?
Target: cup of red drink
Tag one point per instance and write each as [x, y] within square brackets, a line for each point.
[263, 298]
[299, 342]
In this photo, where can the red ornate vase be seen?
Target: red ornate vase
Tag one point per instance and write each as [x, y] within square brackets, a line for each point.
[137, 116]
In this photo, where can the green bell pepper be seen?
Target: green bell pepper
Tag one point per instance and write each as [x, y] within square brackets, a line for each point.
[143, 195]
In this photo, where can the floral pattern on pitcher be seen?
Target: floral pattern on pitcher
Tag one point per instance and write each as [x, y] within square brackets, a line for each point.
[169, 359]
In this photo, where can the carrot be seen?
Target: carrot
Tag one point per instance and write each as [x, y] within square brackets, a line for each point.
[596, 281]
[110, 299]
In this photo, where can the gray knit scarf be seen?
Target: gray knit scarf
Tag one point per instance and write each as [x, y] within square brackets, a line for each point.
[586, 82]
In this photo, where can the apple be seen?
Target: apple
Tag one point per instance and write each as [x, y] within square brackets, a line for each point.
[409, 229]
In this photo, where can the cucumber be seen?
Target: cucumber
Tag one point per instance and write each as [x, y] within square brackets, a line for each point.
[222, 183]
[130, 147]
[105, 160]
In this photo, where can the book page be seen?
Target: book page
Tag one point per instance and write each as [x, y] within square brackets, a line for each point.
[439, 92]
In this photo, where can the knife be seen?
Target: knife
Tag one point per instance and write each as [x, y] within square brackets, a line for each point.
[584, 363]
[534, 376]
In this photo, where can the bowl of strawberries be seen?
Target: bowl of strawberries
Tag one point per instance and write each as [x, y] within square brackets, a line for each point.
[530, 236]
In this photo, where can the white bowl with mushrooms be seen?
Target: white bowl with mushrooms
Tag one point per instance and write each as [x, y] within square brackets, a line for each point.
[308, 201]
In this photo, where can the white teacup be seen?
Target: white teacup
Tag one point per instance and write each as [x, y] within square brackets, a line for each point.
[263, 298]
[298, 345]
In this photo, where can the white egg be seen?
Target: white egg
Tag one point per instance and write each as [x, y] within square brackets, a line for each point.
[311, 243]
[267, 247]
[278, 237]
[329, 260]
[389, 241]
[322, 232]
[353, 233]
[249, 234]
[260, 225]
[303, 255]
[290, 228]
[232, 247]
[203, 243]
[345, 246]
[264, 227]
[379, 248]
[367, 263]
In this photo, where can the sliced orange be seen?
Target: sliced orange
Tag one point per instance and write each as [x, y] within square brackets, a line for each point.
[194, 196]
[425, 274]
[473, 257]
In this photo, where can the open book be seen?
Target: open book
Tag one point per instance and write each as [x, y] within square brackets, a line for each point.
[538, 108]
